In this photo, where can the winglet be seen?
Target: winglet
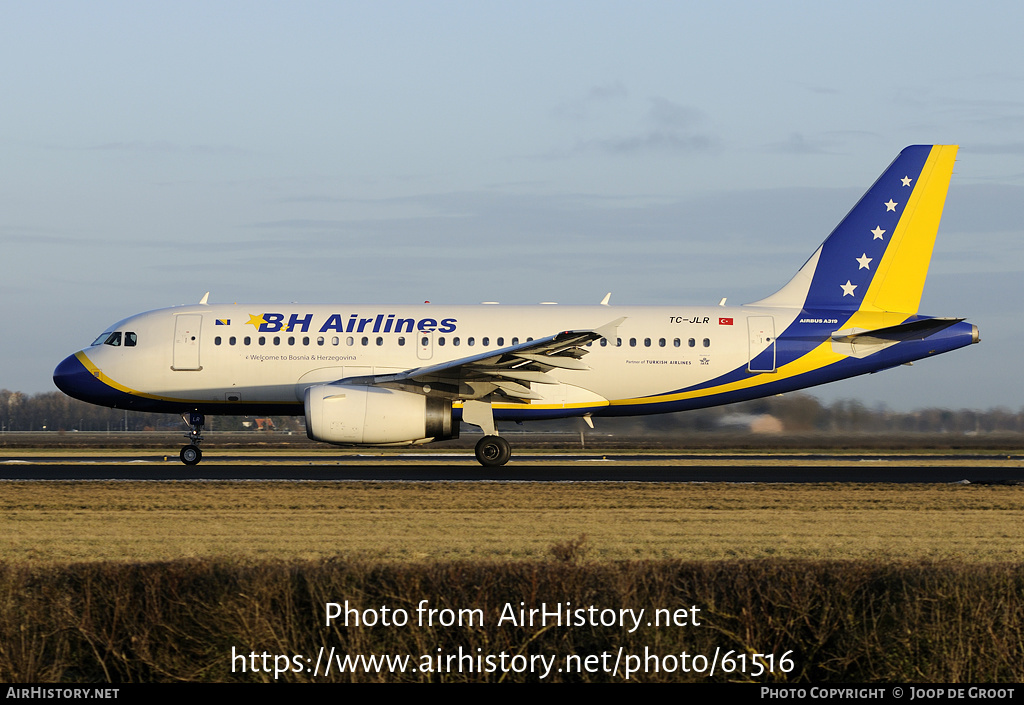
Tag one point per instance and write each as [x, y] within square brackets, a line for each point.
[608, 330]
[206, 297]
[606, 299]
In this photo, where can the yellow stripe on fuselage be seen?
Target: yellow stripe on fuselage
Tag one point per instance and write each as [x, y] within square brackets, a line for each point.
[820, 357]
[98, 374]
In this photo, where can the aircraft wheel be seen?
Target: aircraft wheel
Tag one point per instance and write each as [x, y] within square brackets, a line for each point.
[493, 451]
[190, 455]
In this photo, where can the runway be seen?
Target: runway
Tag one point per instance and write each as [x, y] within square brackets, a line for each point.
[761, 468]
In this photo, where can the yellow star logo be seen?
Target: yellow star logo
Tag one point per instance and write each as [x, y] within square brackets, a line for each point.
[256, 321]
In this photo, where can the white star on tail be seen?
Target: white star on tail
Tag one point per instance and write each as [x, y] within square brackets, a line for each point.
[891, 205]
[906, 180]
[848, 288]
[864, 261]
[878, 232]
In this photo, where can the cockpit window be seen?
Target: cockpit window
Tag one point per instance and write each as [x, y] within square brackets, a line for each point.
[114, 338]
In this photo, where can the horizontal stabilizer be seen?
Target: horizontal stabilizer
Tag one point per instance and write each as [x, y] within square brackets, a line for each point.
[859, 343]
[916, 330]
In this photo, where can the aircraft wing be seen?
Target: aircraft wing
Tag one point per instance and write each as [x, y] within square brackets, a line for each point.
[505, 374]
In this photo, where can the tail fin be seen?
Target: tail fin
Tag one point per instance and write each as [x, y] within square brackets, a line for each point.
[877, 257]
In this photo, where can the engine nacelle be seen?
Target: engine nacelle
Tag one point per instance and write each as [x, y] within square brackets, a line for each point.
[364, 415]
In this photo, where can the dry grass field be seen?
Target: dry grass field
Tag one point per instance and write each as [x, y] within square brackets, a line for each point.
[51, 523]
[159, 581]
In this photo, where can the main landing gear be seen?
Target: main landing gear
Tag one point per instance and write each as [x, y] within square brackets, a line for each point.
[190, 454]
[493, 451]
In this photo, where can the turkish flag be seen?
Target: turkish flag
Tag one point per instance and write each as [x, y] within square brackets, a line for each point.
[725, 321]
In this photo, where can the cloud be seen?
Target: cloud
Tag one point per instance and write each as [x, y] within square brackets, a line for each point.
[653, 141]
[165, 147]
[670, 128]
[582, 108]
[796, 143]
[1011, 147]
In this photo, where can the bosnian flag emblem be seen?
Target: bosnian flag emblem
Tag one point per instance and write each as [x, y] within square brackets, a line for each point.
[223, 321]
[725, 321]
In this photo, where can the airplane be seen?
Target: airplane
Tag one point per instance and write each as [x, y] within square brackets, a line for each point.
[376, 375]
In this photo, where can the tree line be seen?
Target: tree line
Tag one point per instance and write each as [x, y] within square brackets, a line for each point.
[796, 413]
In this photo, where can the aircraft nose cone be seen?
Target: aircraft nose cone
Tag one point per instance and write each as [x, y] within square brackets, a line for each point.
[72, 378]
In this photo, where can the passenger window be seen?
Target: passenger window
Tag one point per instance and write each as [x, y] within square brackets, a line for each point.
[632, 342]
[277, 340]
[501, 342]
[604, 342]
[319, 340]
[350, 341]
[485, 341]
[247, 340]
[515, 341]
[618, 342]
[130, 339]
[401, 340]
[365, 340]
[676, 342]
[440, 341]
[231, 340]
[470, 341]
[216, 341]
[647, 342]
[380, 341]
[335, 340]
[262, 340]
[305, 340]
[455, 340]
[707, 342]
[291, 340]
[424, 341]
[691, 342]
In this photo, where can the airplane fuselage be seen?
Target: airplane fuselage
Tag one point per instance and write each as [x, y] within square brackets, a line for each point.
[260, 358]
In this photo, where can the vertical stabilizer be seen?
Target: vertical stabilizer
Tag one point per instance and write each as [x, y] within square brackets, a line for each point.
[877, 258]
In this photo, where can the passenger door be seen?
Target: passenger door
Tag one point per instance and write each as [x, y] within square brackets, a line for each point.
[186, 341]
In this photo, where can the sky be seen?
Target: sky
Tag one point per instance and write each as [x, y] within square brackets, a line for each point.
[458, 152]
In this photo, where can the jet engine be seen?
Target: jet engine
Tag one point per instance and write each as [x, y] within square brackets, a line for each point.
[363, 415]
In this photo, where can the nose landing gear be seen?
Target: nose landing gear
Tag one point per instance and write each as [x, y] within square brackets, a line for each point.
[191, 454]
